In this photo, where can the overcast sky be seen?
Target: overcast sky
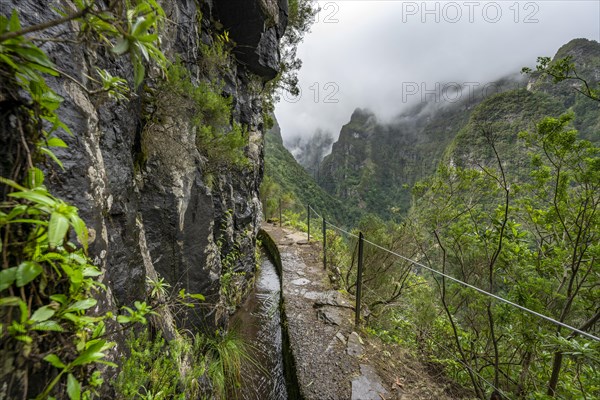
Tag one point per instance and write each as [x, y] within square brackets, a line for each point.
[384, 55]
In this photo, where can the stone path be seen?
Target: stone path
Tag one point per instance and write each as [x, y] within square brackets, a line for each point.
[328, 353]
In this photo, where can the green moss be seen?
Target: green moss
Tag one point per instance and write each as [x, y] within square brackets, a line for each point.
[220, 139]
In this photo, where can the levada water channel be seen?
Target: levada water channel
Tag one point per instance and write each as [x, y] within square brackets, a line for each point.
[258, 321]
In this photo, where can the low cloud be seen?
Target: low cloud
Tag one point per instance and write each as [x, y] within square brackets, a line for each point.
[388, 55]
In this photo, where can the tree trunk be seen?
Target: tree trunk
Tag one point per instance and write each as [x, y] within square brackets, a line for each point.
[556, 367]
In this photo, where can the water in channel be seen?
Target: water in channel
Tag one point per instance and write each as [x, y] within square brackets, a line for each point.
[259, 323]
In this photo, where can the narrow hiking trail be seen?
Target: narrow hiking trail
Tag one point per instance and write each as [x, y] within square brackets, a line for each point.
[332, 359]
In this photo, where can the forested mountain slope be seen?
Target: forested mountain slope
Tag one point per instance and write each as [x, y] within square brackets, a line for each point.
[374, 164]
[285, 179]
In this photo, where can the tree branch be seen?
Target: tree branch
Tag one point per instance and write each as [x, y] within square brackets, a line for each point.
[45, 25]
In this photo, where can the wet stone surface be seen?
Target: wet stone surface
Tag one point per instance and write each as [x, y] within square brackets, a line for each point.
[320, 325]
[300, 282]
[334, 359]
[368, 385]
[355, 345]
[259, 322]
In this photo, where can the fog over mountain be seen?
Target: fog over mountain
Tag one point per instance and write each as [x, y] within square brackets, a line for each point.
[390, 55]
[309, 150]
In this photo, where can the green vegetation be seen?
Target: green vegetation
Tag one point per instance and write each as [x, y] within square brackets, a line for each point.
[54, 288]
[301, 14]
[564, 67]
[226, 355]
[199, 367]
[56, 332]
[52, 330]
[513, 210]
[287, 181]
[220, 139]
[232, 282]
[153, 369]
[373, 165]
[533, 242]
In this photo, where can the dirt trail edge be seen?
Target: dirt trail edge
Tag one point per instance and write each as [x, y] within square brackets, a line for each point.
[333, 362]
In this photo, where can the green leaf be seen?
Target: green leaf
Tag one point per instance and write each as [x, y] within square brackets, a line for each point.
[35, 55]
[91, 354]
[35, 197]
[7, 278]
[91, 271]
[108, 363]
[80, 230]
[12, 184]
[141, 26]
[57, 229]
[139, 71]
[59, 298]
[99, 330]
[3, 23]
[35, 177]
[42, 314]
[8, 61]
[26, 272]
[50, 154]
[73, 388]
[50, 325]
[56, 142]
[55, 361]
[197, 296]
[148, 38]
[14, 23]
[121, 47]
[24, 338]
[10, 301]
[82, 305]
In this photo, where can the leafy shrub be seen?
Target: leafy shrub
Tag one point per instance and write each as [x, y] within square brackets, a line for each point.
[157, 370]
[221, 140]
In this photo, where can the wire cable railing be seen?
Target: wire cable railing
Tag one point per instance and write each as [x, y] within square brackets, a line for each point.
[360, 286]
[458, 281]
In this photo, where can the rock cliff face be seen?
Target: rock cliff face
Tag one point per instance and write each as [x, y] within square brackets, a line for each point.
[285, 178]
[372, 161]
[152, 202]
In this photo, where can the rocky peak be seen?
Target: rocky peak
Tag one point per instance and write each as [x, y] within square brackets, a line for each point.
[580, 49]
[362, 124]
[362, 115]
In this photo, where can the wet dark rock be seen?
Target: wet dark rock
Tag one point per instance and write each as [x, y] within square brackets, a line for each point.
[141, 187]
[330, 315]
[355, 345]
[368, 385]
[256, 26]
[332, 298]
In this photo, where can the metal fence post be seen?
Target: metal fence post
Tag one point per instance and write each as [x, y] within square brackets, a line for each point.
[359, 279]
[308, 220]
[280, 213]
[324, 244]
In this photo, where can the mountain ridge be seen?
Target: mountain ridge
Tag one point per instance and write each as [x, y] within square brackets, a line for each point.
[374, 164]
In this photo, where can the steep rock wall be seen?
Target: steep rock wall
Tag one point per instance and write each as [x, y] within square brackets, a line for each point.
[141, 185]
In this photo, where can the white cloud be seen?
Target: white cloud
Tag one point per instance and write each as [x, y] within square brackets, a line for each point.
[377, 46]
